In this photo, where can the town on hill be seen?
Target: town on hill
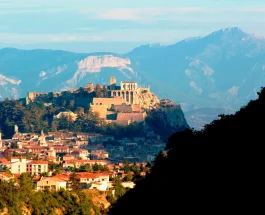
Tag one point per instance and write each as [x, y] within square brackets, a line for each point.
[99, 133]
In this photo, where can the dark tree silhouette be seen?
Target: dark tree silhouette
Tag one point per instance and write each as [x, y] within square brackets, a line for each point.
[214, 170]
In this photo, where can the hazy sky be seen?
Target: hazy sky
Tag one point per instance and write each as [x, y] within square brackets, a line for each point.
[120, 25]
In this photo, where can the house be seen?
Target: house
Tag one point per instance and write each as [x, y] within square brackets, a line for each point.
[80, 153]
[61, 149]
[51, 183]
[77, 163]
[88, 180]
[101, 186]
[68, 157]
[5, 177]
[21, 164]
[37, 167]
[18, 165]
[99, 180]
[69, 114]
[128, 184]
[4, 162]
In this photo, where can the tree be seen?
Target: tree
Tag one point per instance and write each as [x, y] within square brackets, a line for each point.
[79, 111]
[14, 145]
[135, 169]
[119, 189]
[128, 177]
[105, 91]
[74, 182]
[26, 186]
[126, 168]
[85, 168]
[63, 103]
[72, 103]
[98, 91]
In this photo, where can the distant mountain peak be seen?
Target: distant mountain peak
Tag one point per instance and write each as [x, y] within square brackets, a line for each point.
[233, 29]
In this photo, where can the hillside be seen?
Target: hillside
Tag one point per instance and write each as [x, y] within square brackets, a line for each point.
[42, 114]
[213, 170]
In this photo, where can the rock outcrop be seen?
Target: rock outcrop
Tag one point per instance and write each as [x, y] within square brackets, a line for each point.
[146, 99]
[166, 117]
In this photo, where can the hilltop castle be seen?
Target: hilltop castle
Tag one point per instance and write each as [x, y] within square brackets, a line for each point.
[127, 91]
[123, 103]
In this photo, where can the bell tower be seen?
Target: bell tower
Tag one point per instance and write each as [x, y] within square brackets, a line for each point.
[112, 83]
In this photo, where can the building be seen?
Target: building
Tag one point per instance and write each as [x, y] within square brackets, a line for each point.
[18, 165]
[77, 163]
[68, 114]
[5, 177]
[80, 153]
[42, 139]
[93, 180]
[37, 167]
[51, 183]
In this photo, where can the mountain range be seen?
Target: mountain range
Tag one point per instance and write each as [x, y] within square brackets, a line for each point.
[223, 71]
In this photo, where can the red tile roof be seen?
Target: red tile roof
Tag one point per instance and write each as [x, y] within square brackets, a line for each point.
[39, 162]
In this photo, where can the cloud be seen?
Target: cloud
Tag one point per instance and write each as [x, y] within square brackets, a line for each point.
[118, 35]
[155, 14]
[45, 38]
[137, 14]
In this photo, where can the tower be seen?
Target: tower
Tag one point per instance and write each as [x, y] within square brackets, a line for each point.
[16, 129]
[42, 140]
[112, 83]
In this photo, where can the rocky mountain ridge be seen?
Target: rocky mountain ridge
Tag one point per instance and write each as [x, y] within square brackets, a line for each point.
[224, 69]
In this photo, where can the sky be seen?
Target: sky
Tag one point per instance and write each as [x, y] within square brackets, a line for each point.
[120, 25]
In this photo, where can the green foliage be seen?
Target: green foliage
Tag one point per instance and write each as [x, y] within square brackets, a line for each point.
[36, 117]
[135, 169]
[128, 177]
[14, 198]
[101, 92]
[119, 189]
[85, 168]
[74, 182]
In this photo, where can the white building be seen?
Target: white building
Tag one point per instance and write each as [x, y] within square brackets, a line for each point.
[18, 165]
[21, 165]
[51, 183]
[66, 114]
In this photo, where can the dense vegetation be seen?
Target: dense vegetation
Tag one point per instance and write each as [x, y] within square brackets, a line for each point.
[19, 196]
[36, 116]
[214, 170]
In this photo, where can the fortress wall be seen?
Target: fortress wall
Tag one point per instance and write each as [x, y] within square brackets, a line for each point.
[108, 101]
[101, 109]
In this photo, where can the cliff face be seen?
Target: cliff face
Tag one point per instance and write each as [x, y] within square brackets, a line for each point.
[166, 117]
[172, 114]
[146, 99]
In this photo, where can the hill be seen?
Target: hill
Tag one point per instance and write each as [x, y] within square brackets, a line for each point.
[74, 111]
[213, 170]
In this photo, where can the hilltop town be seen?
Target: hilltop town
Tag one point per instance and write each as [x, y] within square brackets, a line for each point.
[52, 156]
